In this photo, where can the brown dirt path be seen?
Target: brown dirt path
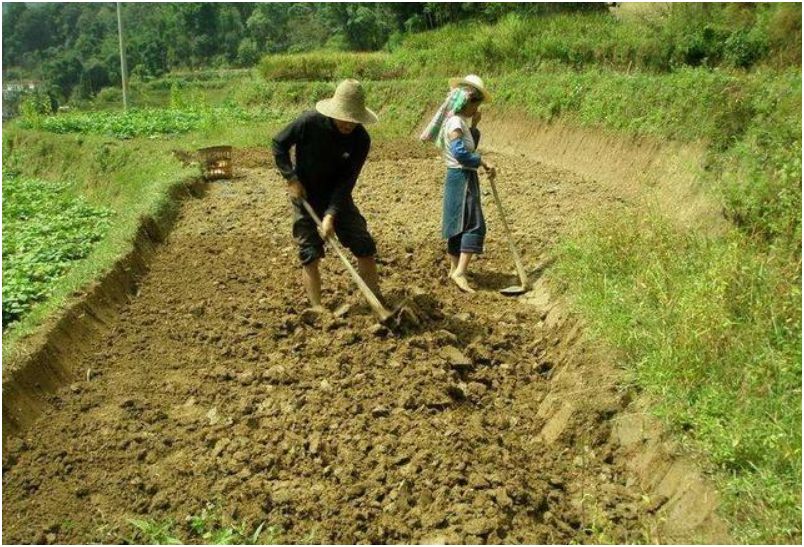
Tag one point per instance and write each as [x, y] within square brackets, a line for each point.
[213, 387]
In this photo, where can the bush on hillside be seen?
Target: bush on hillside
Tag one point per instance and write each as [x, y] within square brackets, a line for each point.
[322, 66]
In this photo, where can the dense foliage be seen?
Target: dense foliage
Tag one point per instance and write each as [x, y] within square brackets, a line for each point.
[73, 47]
[45, 229]
[689, 35]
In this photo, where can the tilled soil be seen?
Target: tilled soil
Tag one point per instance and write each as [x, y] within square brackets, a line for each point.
[214, 385]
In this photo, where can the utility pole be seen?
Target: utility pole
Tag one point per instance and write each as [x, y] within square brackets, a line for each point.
[123, 70]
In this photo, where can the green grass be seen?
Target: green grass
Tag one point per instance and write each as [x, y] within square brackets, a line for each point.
[690, 35]
[329, 65]
[153, 532]
[712, 328]
[210, 527]
[213, 528]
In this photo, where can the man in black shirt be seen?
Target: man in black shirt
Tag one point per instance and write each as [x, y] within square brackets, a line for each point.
[331, 148]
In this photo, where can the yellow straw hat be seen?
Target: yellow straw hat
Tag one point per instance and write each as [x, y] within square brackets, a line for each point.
[474, 81]
[348, 104]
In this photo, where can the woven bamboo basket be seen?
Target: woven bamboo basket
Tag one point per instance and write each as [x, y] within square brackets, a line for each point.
[216, 162]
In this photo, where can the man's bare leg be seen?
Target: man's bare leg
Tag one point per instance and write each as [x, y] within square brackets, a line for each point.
[459, 275]
[311, 279]
[367, 268]
[453, 263]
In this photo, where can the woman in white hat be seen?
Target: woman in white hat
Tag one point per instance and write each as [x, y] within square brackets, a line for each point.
[454, 129]
[331, 147]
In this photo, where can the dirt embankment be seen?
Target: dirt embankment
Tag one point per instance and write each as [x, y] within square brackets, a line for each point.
[493, 423]
[639, 171]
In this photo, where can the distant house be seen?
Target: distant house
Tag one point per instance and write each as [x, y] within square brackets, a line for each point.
[20, 86]
[13, 92]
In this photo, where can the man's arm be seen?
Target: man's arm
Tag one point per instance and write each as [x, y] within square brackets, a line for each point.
[343, 190]
[281, 145]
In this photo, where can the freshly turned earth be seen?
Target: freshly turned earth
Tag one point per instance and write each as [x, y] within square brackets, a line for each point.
[213, 386]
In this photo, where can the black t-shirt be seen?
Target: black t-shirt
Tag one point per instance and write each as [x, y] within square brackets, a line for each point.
[327, 161]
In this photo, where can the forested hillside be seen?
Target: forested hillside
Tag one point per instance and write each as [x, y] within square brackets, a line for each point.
[74, 46]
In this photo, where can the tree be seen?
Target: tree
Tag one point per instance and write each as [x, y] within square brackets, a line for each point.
[247, 52]
[96, 77]
[64, 73]
[230, 31]
[305, 30]
[267, 26]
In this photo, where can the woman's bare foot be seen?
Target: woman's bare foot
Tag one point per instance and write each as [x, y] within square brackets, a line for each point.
[461, 281]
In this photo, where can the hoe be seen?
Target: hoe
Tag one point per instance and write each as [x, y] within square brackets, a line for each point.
[524, 285]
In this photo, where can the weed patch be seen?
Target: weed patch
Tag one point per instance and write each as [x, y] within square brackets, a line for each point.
[210, 527]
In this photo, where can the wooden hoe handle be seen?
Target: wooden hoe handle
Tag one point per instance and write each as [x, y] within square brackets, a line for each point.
[523, 276]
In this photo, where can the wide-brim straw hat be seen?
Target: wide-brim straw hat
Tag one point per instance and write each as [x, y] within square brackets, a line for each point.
[475, 81]
[348, 104]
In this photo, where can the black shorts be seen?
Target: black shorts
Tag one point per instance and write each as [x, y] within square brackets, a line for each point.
[350, 228]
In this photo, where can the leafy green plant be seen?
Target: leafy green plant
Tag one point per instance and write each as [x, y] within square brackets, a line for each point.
[45, 230]
[152, 532]
[211, 526]
[177, 100]
[34, 107]
[149, 122]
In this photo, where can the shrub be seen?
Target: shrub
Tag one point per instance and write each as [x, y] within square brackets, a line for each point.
[34, 107]
[109, 95]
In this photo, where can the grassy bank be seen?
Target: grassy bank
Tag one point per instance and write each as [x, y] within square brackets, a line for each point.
[712, 332]
[711, 327]
[656, 41]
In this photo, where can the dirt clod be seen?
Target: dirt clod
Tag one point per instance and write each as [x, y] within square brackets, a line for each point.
[455, 357]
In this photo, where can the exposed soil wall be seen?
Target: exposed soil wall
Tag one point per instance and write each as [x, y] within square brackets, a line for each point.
[638, 170]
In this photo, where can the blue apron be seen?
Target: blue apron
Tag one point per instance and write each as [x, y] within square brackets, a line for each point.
[462, 212]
